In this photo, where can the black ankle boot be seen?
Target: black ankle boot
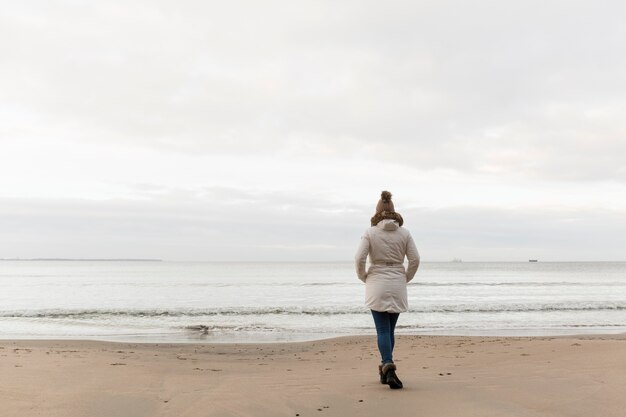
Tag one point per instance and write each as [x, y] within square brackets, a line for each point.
[383, 379]
[391, 379]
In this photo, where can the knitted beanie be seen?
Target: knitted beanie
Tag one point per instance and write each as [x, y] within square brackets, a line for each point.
[385, 210]
[385, 203]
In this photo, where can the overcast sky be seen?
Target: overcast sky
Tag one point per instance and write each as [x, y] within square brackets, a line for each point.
[266, 130]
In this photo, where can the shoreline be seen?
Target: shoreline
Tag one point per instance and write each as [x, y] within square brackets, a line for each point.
[269, 338]
[443, 376]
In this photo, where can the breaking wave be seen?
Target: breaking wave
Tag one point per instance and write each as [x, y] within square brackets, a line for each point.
[78, 314]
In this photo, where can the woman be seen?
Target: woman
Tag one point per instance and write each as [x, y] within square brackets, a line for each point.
[387, 243]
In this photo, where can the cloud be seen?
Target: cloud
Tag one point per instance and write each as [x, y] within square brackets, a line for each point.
[200, 130]
[242, 227]
[205, 228]
[480, 233]
[486, 87]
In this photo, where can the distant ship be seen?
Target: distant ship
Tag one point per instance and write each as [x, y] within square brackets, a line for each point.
[457, 260]
[532, 260]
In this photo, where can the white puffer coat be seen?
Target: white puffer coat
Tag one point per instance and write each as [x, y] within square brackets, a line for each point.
[385, 281]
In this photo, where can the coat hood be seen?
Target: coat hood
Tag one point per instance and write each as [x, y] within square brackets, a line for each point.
[388, 224]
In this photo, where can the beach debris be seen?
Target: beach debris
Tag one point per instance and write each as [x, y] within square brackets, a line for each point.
[200, 328]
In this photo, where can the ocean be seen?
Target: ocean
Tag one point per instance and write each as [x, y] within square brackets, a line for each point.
[146, 301]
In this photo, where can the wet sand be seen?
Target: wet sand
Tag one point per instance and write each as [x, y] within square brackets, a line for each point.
[443, 376]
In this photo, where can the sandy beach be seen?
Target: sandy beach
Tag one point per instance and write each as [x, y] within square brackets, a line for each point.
[443, 376]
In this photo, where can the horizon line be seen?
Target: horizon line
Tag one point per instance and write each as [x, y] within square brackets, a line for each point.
[293, 261]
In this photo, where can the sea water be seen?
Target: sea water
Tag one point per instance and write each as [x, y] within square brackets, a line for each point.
[223, 302]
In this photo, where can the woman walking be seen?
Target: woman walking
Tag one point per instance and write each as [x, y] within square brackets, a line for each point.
[387, 243]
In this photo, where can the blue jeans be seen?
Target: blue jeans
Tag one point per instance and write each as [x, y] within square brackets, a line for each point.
[385, 326]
